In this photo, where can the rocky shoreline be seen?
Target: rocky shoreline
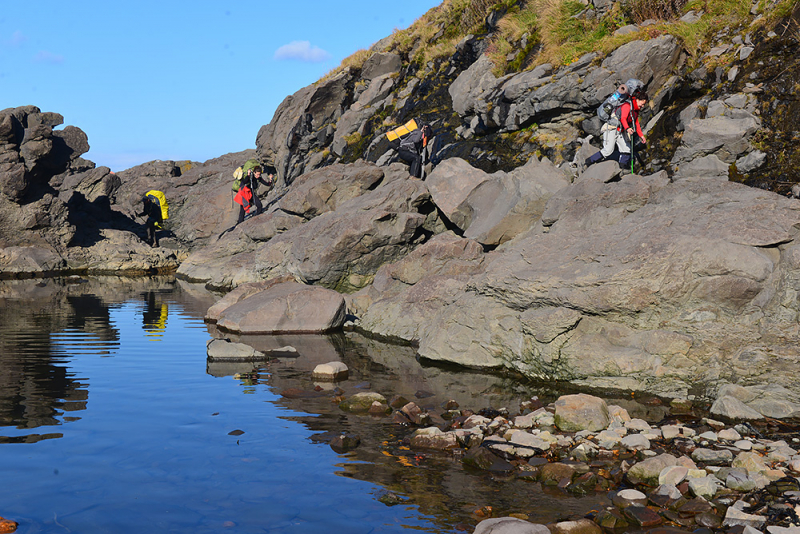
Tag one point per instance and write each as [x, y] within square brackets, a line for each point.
[686, 473]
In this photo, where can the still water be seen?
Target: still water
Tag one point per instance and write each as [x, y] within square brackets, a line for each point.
[113, 420]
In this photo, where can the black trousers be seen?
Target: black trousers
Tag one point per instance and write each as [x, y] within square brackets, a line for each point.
[256, 203]
[150, 226]
[414, 159]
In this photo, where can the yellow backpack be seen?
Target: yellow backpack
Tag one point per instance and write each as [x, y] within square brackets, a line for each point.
[402, 131]
[162, 202]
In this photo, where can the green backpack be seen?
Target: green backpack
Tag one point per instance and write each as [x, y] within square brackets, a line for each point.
[241, 172]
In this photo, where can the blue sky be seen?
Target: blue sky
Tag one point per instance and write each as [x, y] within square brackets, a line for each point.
[168, 79]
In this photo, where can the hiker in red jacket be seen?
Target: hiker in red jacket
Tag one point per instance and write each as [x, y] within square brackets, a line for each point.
[619, 139]
[247, 197]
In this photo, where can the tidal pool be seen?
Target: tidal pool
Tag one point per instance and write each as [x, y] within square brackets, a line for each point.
[113, 420]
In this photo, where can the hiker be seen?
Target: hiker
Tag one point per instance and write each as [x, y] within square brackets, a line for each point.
[247, 197]
[412, 147]
[620, 138]
[152, 210]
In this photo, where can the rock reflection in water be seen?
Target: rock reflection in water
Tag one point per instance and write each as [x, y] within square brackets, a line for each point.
[43, 324]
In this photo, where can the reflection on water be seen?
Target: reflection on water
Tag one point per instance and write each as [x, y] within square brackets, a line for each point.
[154, 316]
[153, 435]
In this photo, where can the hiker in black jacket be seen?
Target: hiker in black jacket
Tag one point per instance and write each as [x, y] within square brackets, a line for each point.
[252, 181]
[411, 147]
[152, 210]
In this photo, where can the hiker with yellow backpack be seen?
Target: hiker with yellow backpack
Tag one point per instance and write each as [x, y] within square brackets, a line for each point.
[156, 209]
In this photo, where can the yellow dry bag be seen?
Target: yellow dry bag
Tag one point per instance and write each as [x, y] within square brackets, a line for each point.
[403, 130]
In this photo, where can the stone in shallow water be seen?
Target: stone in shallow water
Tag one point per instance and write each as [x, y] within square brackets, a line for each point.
[330, 371]
[643, 516]
[708, 520]
[434, 438]
[509, 525]
[222, 349]
[581, 526]
[612, 520]
[629, 497]
[673, 475]
[667, 530]
[484, 459]
[345, 442]
[665, 495]
[698, 505]
[361, 402]
[552, 473]
[581, 412]
[648, 470]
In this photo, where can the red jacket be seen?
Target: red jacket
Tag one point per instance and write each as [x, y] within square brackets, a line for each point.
[244, 198]
[625, 117]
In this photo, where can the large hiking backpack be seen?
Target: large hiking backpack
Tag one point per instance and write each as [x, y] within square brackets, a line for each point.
[402, 131]
[609, 109]
[241, 172]
[159, 198]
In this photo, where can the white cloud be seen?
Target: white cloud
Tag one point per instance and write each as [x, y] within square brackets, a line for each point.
[48, 57]
[302, 51]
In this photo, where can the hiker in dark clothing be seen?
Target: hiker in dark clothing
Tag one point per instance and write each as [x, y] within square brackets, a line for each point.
[151, 210]
[411, 147]
[619, 139]
[251, 183]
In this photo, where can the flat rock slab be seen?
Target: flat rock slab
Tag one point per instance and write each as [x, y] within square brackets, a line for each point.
[223, 350]
[288, 307]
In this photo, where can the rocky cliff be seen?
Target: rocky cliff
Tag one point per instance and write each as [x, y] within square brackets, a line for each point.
[679, 279]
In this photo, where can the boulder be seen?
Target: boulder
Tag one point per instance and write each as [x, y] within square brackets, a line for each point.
[648, 471]
[240, 293]
[581, 412]
[507, 204]
[330, 371]
[285, 308]
[323, 190]
[733, 408]
[451, 182]
[404, 293]
[381, 64]
[343, 249]
[297, 121]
